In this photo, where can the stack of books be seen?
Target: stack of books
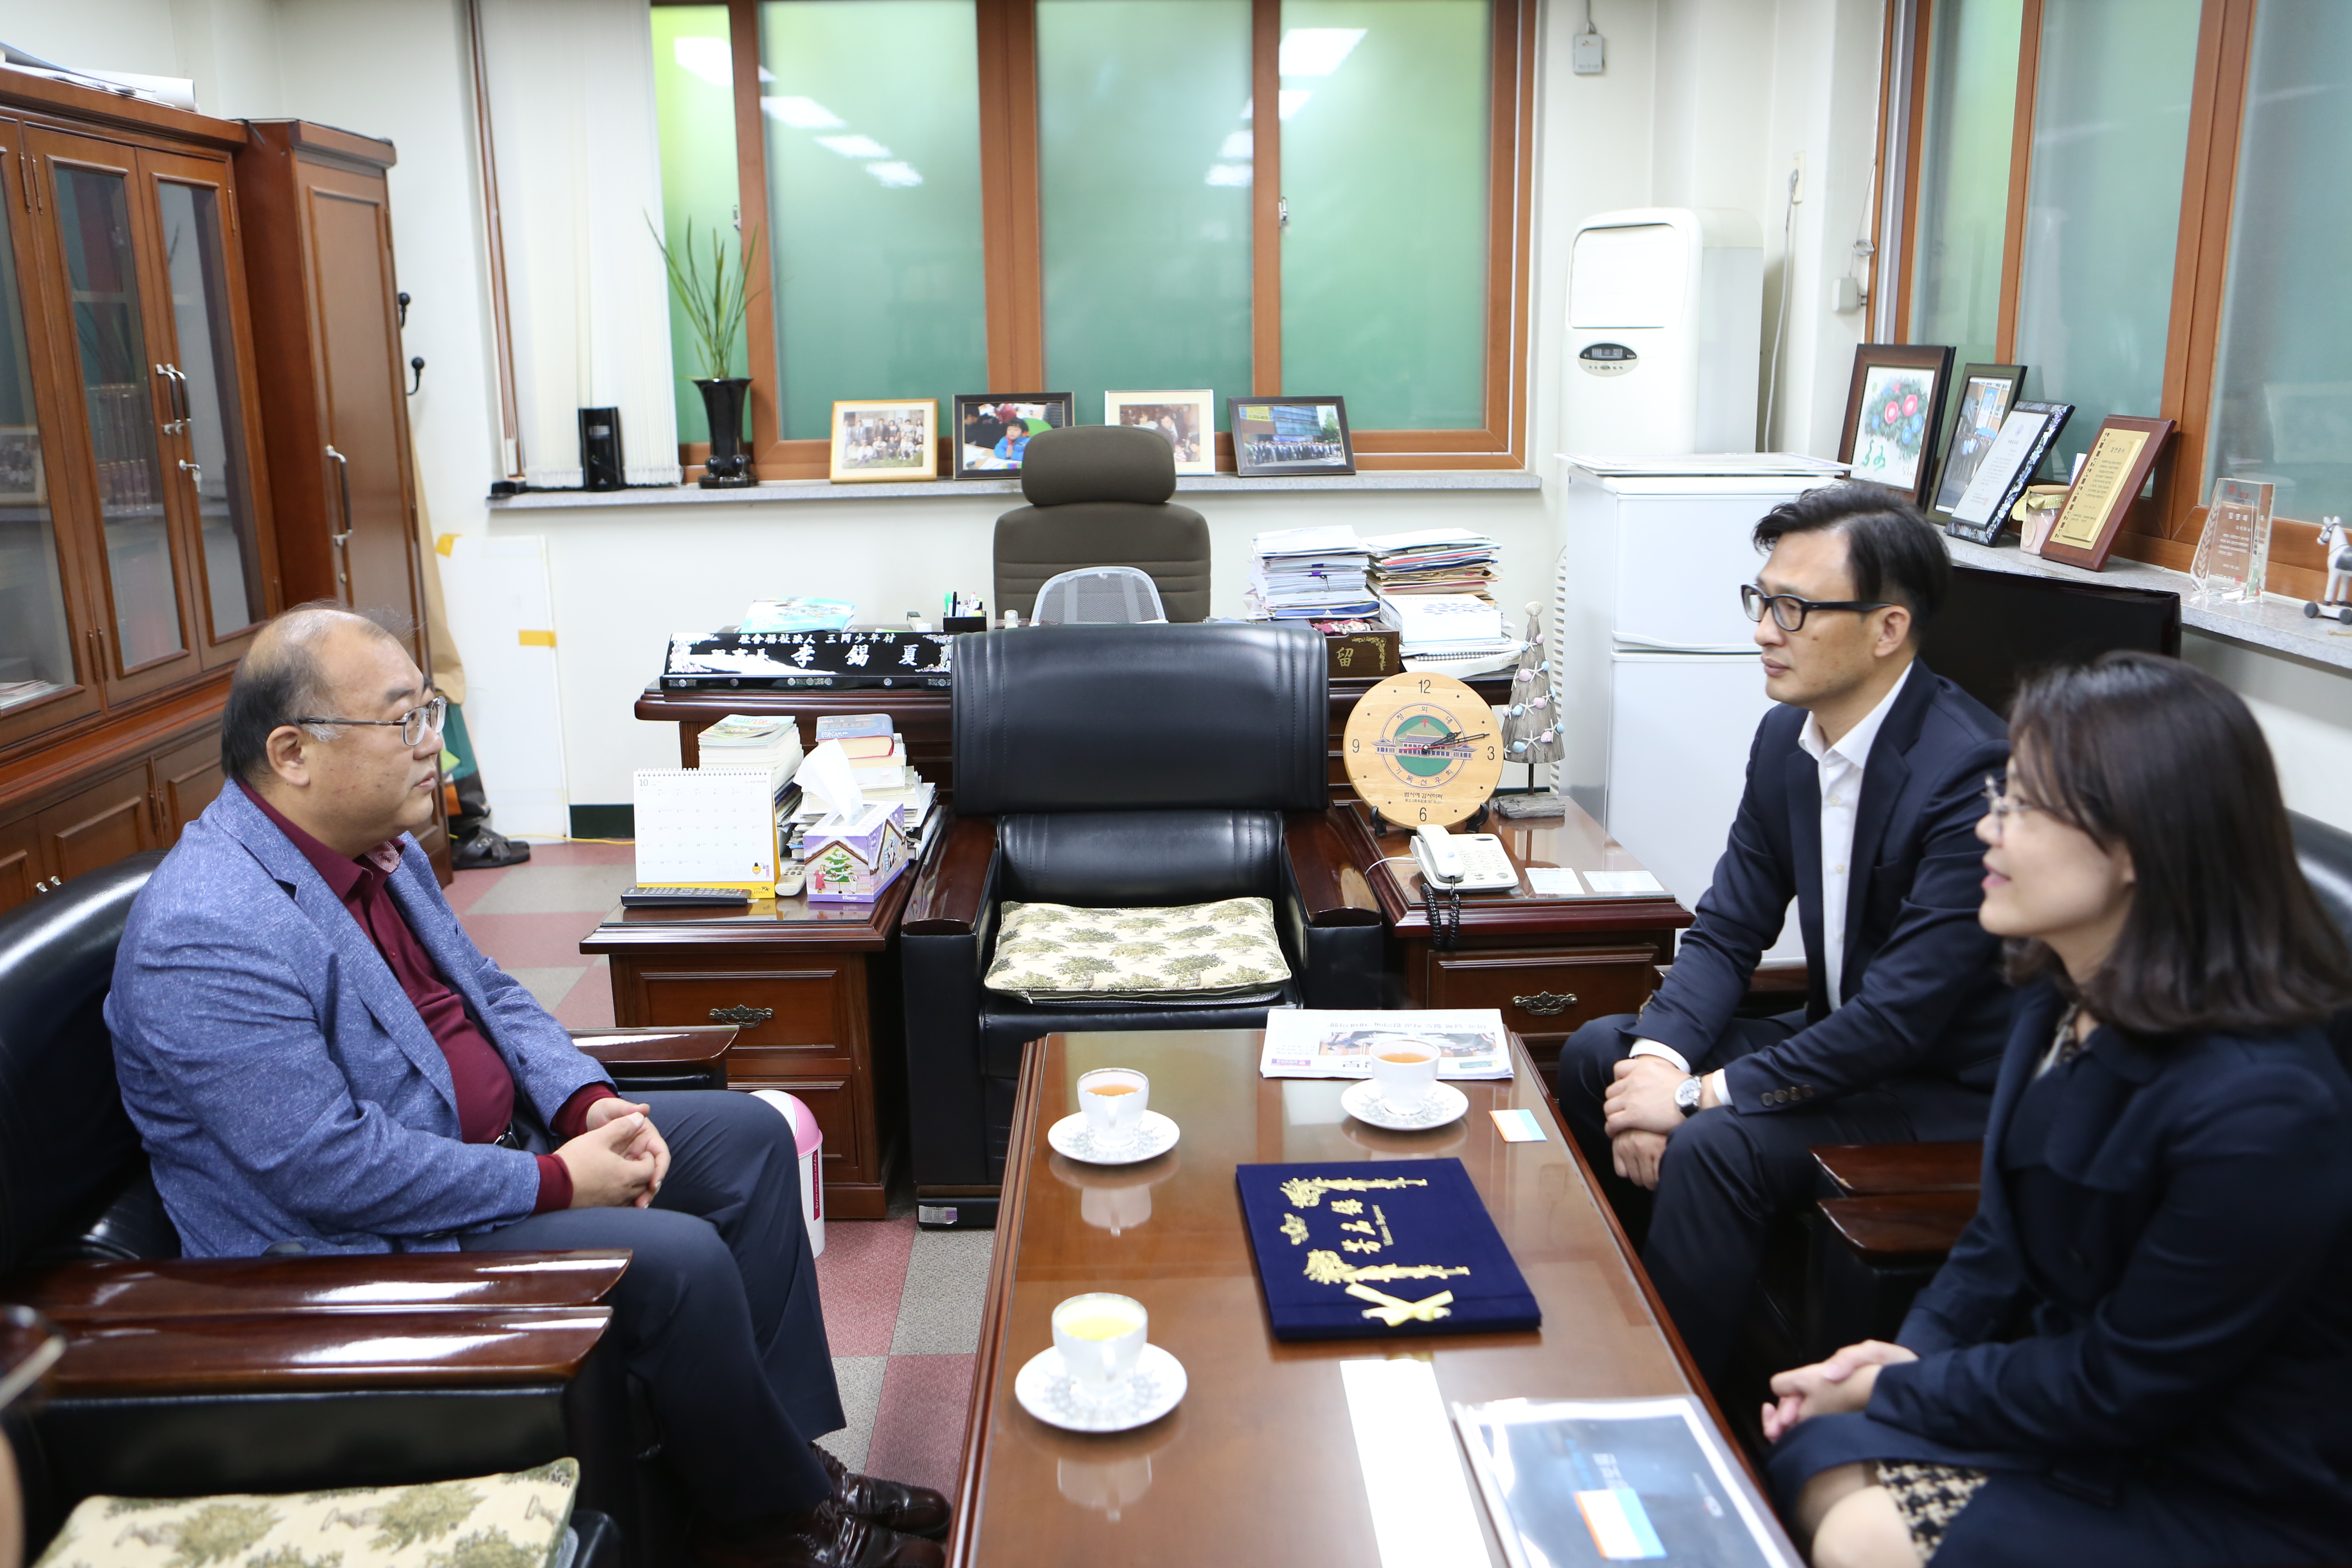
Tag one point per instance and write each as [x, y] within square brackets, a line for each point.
[754, 741]
[1434, 561]
[1309, 573]
[877, 763]
[1459, 634]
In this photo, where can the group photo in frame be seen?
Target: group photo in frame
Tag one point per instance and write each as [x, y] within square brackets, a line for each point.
[884, 440]
[1894, 412]
[1189, 420]
[992, 429]
[2114, 471]
[1982, 395]
[1290, 435]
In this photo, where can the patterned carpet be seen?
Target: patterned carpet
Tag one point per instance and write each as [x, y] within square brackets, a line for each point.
[901, 1307]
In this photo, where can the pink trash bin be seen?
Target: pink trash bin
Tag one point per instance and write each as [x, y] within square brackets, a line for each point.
[809, 1138]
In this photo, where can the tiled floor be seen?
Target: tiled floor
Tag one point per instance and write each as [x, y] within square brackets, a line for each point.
[901, 1306]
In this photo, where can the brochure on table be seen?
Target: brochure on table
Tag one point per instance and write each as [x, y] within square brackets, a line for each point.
[1321, 1043]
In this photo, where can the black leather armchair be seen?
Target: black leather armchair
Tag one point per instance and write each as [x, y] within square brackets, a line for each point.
[1115, 767]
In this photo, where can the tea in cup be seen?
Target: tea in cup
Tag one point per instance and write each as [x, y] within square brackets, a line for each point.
[1114, 1100]
[1102, 1337]
[1405, 1068]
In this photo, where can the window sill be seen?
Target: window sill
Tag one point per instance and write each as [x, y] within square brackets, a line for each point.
[2276, 625]
[949, 490]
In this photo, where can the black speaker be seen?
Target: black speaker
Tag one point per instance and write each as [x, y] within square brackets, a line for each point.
[599, 449]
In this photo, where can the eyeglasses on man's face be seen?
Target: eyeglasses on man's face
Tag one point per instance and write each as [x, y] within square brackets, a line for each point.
[1789, 612]
[2000, 807]
[413, 725]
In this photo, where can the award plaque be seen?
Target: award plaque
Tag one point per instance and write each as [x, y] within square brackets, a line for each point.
[2234, 553]
[2117, 464]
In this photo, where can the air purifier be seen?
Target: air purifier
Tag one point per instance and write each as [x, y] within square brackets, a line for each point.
[1666, 321]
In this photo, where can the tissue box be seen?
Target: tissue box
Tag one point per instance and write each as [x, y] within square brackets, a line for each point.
[852, 859]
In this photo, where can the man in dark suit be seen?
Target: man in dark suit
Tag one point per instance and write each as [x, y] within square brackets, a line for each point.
[1864, 790]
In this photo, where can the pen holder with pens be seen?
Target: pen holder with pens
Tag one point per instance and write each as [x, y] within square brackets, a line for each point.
[964, 624]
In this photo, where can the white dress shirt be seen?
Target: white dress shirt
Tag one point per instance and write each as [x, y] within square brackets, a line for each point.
[1841, 768]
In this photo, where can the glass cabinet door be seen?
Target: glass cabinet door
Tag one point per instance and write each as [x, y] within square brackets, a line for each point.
[205, 451]
[122, 390]
[39, 686]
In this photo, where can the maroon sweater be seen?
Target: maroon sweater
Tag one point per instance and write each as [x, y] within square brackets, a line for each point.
[486, 1089]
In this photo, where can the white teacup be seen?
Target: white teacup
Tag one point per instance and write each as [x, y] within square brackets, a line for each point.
[1101, 1336]
[1405, 1068]
[1114, 1100]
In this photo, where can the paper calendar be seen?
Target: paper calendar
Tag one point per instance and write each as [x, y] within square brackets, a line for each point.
[707, 828]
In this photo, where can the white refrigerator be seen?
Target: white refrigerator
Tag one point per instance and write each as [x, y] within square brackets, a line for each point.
[1661, 690]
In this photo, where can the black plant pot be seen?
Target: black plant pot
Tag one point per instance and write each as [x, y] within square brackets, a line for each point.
[730, 466]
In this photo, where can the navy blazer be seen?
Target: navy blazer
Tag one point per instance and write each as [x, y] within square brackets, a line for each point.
[2202, 1324]
[1922, 997]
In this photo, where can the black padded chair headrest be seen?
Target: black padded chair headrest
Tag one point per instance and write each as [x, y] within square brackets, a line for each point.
[67, 1146]
[1218, 715]
[1099, 462]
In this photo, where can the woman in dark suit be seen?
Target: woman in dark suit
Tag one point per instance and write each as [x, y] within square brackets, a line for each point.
[2141, 1350]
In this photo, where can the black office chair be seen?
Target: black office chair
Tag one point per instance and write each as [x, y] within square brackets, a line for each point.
[1098, 495]
[1111, 767]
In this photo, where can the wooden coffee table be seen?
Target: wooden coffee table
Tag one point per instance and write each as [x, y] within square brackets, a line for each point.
[1258, 1464]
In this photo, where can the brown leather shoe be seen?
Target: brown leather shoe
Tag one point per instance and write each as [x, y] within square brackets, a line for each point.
[825, 1536]
[894, 1505]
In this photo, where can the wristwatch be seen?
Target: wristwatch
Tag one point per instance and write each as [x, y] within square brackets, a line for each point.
[1688, 1094]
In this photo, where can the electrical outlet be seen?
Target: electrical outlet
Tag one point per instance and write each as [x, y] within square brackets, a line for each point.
[1797, 181]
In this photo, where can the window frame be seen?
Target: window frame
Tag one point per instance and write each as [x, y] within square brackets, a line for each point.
[1012, 247]
[2161, 529]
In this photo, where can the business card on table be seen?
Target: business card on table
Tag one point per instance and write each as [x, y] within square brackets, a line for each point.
[1518, 1126]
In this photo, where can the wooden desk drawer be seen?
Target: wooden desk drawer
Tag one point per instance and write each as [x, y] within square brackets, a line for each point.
[800, 1007]
[1545, 992]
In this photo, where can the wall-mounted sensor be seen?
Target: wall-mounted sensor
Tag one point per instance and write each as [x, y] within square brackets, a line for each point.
[1588, 54]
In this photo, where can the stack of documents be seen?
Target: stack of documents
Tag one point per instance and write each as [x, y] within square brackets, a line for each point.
[867, 765]
[1442, 622]
[1309, 573]
[754, 741]
[1434, 561]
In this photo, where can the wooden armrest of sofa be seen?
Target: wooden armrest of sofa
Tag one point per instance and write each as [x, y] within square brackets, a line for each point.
[1332, 886]
[685, 1047]
[1896, 1228]
[300, 1352]
[951, 885]
[477, 1282]
[1868, 1170]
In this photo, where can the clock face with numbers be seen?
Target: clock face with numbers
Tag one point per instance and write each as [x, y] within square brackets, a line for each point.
[1422, 750]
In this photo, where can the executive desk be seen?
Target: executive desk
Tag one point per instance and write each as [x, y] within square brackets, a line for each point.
[1258, 1464]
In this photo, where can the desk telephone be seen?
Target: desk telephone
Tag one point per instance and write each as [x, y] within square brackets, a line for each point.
[1467, 863]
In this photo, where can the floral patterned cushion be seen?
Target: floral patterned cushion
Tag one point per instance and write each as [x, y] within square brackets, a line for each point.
[1053, 952]
[495, 1521]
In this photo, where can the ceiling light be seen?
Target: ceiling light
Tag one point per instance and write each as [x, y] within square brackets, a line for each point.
[853, 145]
[1229, 174]
[802, 113]
[1239, 144]
[1317, 51]
[896, 173]
[706, 57]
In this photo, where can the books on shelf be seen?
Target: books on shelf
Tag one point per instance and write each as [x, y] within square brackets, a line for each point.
[854, 726]
[1309, 573]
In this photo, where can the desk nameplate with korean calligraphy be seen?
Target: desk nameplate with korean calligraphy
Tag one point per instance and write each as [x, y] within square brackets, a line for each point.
[1380, 1248]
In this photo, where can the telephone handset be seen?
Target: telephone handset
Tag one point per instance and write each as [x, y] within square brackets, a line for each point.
[1469, 862]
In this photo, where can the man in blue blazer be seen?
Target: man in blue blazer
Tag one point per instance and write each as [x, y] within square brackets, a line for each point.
[319, 1060]
[1864, 790]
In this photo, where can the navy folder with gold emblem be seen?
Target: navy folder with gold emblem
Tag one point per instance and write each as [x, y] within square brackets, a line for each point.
[1380, 1248]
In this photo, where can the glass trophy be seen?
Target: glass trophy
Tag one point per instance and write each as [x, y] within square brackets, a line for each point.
[2233, 554]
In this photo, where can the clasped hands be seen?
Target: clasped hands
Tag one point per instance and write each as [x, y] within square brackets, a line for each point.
[619, 1160]
[1832, 1387]
[1642, 1114]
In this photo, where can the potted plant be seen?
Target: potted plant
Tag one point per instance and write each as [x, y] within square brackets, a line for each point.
[715, 303]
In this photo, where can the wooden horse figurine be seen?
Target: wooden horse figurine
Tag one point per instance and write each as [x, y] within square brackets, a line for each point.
[2335, 543]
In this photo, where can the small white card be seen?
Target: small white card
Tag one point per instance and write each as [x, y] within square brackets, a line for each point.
[1518, 1126]
[1620, 884]
[1553, 882]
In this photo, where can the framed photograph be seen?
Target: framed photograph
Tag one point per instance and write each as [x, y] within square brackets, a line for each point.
[1189, 420]
[22, 482]
[1893, 412]
[1290, 436]
[1984, 396]
[880, 440]
[2114, 469]
[2004, 469]
[992, 429]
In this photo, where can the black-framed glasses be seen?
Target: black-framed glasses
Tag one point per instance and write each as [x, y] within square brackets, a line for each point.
[413, 725]
[1789, 612]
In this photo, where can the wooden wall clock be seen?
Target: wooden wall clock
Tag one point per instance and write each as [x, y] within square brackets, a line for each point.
[1422, 750]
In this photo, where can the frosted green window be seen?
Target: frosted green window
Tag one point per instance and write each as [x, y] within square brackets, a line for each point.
[1385, 130]
[694, 108]
[872, 113]
[2283, 396]
[2103, 206]
[1144, 196]
[1964, 156]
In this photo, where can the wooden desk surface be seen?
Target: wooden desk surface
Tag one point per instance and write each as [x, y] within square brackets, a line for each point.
[1573, 840]
[1258, 1464]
